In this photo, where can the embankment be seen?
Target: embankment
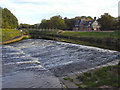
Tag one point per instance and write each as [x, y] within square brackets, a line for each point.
[15, 39]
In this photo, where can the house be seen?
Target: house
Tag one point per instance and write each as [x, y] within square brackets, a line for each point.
[86, 25]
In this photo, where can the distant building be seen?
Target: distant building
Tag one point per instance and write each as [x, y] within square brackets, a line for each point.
[86, 25]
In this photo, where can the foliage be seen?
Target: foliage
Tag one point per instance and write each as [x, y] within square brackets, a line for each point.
[8, 19]
[119, 22]
[70, 23]
[66, 78]
[0, 17]
[55, 22]
[108, 22]
[59, 23]
[28, 26]
[9, 34]
[105, 76]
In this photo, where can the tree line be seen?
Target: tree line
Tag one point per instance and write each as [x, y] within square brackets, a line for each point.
[106, 21]
[8, 19]
[56, 22]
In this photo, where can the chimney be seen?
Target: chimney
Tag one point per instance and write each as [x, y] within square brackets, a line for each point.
[88, 19]
[94, 18]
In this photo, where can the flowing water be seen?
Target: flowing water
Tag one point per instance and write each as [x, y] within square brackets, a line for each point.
[36, 63]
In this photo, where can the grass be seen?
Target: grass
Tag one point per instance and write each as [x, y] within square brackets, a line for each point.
[91, 34]
[107, 76]
[8, 34]
[100, 35]
[66, 78]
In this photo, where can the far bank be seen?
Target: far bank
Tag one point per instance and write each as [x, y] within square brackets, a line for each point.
[108, 40]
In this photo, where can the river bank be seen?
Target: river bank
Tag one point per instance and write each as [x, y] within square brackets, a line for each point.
[103, 76]
[8, 36]
[15, 39]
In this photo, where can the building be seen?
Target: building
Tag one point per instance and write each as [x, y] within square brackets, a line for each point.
[86, 25]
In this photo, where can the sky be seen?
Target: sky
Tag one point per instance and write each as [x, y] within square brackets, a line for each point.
[33, 11]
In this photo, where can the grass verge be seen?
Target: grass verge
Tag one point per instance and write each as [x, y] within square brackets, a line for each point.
[8, 34]
[106, 76]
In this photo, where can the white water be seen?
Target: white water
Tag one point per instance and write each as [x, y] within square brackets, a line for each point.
[38, 54]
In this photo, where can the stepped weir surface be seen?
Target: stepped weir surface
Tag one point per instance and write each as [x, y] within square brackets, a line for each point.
[37, 63]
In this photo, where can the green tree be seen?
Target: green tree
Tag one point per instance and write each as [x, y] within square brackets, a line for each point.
[119, 22]
[107, 22]
[70, 23]
[54, 22]
[8, 19]
[24, 26]
[0, 17]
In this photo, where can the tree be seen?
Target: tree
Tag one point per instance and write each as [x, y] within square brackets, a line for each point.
[0, 17]
[70, 23]
[107, 22]
[8, 19]
[119, 22]
[53, 23]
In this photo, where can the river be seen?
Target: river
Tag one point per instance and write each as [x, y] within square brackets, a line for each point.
[37, 63]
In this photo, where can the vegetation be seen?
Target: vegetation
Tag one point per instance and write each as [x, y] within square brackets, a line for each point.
[106, 76]
[53, 23]
[28, 26]
[66, 78]
[8, 34]
[8, 19]
[70, 23]
[108, 22]
[119, 22]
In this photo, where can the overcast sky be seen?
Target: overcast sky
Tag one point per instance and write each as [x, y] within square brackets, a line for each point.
[33, 11]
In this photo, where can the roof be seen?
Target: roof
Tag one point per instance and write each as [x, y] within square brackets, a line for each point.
[84, 22]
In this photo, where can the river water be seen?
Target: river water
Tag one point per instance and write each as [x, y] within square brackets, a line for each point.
[36, 63]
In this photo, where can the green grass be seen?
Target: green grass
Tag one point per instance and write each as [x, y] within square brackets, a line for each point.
[8, 34]
[91, 34]
[66, 78]
[100, 35]
[105, 76]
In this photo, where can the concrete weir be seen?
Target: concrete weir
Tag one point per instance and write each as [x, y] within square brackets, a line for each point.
[38, 63]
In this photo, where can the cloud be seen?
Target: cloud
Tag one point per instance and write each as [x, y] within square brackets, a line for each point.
[33, 11]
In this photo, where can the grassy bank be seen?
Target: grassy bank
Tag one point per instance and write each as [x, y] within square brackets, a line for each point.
[109, 40]
[8, 34]
[106, 77]
[16, 39]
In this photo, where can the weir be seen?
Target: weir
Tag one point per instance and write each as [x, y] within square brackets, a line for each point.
[39, 63]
